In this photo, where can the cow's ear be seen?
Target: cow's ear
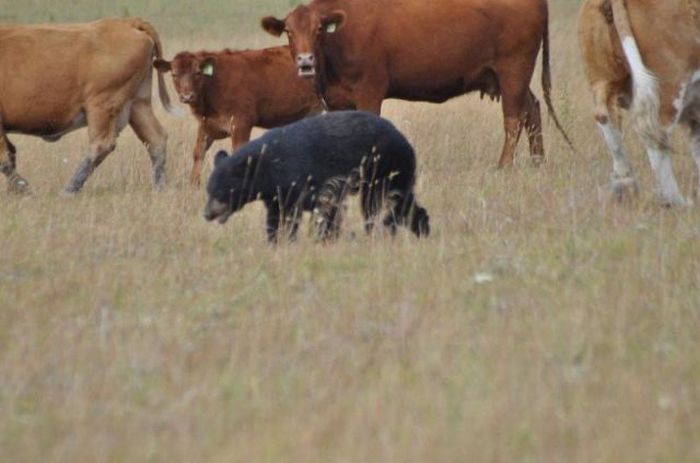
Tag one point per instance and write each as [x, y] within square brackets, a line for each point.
[161, 65]
[333, 21]
[220, 156]
[207, 66]
[273, 26]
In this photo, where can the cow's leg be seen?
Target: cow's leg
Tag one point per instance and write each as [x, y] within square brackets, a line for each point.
[152, 135]
[659, 152]
[241, 133]
[8, 164]
[102, 133]
[695, 149]
[369, 94]
[533, 126]
[514, 91]
[669, 193]
[204, 142]
[607, 115]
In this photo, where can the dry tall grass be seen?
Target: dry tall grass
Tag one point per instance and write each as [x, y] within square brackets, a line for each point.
[539, 322]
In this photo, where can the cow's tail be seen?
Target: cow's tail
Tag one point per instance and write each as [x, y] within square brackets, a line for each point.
[148, 28]
[645, 97]
[547, 85]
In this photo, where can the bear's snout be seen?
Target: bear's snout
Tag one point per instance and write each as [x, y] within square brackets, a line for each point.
[216, 210]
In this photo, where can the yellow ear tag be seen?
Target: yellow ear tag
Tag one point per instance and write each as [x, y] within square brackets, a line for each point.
[331, 28]
[208, 69]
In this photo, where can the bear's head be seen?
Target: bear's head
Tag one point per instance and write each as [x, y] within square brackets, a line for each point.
[230, 186]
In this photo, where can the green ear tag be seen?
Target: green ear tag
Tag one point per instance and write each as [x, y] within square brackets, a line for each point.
[208, 69]
[331, 28]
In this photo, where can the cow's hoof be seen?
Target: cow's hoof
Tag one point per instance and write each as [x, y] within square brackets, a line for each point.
[676, 201]
[68, 194]
[623, 188]
[18, 186]
[537, 160]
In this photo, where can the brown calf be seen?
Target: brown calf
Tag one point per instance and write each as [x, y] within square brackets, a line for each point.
[58, 78]
[366, 51]
[644, 55]
[230, 92]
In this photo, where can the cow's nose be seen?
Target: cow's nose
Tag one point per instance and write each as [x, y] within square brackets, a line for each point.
[305, 64]
[186, 97]
[305, 59]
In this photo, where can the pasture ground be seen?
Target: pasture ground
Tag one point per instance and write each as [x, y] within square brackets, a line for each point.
[539, 322]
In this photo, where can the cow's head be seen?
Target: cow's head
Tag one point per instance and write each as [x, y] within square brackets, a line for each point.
[229, 186]
[306, 28]
[189, 73]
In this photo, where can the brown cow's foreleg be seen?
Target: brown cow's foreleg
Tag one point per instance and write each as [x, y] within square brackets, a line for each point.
[102, 132]
[369, 95]
[204, 142]
[695, 135]
[153, 136]
[241, 133]
[372, 104]
[8, 164]
[533, 126]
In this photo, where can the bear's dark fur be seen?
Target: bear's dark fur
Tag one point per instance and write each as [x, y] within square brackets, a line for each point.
[312, 165]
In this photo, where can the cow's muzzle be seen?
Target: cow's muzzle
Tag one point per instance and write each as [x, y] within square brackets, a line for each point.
[306, 64]
[187, 97]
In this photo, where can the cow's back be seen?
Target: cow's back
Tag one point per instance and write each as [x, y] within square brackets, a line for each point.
[667, 34]
[263, 83]
[48, 72]
[432, 49]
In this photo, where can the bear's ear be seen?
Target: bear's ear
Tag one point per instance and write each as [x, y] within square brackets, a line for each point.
[220, 156]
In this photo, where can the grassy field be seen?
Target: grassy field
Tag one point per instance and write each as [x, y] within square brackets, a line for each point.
[540, 322]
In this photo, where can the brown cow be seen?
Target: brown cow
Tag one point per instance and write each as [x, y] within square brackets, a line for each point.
[369, 50]
[644, 55]
[230, 92]
[58, 78]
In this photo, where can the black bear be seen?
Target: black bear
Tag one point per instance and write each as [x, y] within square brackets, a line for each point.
[312, 165]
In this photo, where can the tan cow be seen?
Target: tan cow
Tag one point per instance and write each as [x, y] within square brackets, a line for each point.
[58, 78]
[644, 55]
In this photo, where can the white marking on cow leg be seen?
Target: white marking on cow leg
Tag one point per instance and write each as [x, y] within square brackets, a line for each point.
[696, 154]
[613, 139]
[669, 194]
[622, 178]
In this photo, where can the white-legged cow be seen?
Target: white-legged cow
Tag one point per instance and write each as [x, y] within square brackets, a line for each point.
[644, 55]
[58, 78]
[365, 51]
